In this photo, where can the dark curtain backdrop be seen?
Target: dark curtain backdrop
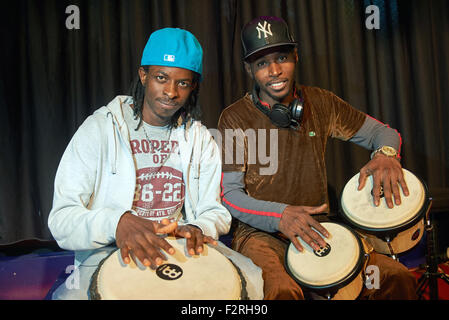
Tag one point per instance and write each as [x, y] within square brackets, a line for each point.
[52, 78]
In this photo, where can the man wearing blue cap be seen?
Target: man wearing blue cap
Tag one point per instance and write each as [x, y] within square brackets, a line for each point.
[143, 165]
[273, 209]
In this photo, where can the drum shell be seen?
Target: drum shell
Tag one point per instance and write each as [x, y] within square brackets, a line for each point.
[400, 242]
[344, 291]
[352, 290]
[347, 288]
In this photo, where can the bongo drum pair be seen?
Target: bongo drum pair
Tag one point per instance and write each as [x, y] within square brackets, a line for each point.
[338, 271]
[209, 276]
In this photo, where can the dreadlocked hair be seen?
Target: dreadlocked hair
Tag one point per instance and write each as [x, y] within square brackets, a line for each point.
[190, 111]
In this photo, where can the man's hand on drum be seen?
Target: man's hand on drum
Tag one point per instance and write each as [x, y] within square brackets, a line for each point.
[297, 221]
[387, 174]
[194, 238]
[138, 237]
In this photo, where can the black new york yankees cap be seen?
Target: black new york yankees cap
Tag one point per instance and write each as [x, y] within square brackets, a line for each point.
[265, 32]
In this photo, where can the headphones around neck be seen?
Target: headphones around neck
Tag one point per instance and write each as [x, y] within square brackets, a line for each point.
[281, 115]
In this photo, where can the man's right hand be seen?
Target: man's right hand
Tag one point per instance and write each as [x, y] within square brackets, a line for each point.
[297, 221]
[137, 237]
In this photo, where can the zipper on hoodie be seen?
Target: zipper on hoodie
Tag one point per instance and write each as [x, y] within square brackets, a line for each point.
[114, 148]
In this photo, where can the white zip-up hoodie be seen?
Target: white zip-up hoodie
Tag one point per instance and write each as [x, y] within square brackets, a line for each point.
[96, 179]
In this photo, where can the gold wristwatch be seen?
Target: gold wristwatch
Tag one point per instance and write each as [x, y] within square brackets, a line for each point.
[386, 150]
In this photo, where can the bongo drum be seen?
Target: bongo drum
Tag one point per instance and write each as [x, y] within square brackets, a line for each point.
[209, 276]
[389, 231]
[334, 272]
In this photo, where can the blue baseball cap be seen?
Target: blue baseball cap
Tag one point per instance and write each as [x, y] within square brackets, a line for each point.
[173, 47]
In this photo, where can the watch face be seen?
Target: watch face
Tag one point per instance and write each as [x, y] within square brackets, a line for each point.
[389, 151]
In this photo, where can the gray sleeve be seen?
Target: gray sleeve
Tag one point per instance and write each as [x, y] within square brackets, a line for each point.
[374, 134]
[263, 215]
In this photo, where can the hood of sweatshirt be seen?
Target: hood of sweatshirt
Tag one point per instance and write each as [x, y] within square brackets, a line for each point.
[119, 130]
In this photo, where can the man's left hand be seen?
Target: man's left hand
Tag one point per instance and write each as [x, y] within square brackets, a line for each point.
[194, 238]
[387, 173]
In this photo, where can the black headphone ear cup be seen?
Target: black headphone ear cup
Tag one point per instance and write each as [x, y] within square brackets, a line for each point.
[280, 115]
[296, 109]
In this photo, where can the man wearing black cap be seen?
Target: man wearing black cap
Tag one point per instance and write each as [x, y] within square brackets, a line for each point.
[271, 208]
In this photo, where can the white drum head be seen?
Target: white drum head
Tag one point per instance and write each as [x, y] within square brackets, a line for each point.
[343, 257]
[201, 277]
[360, 209]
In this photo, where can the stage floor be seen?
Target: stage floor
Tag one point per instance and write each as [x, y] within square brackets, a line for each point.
[31, 276]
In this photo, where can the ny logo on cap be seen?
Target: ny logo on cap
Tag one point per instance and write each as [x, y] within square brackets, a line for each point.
[263, 28]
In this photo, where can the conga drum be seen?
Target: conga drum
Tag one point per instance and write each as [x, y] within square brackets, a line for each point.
[209, 276]
[335, 271]
[389, 231]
